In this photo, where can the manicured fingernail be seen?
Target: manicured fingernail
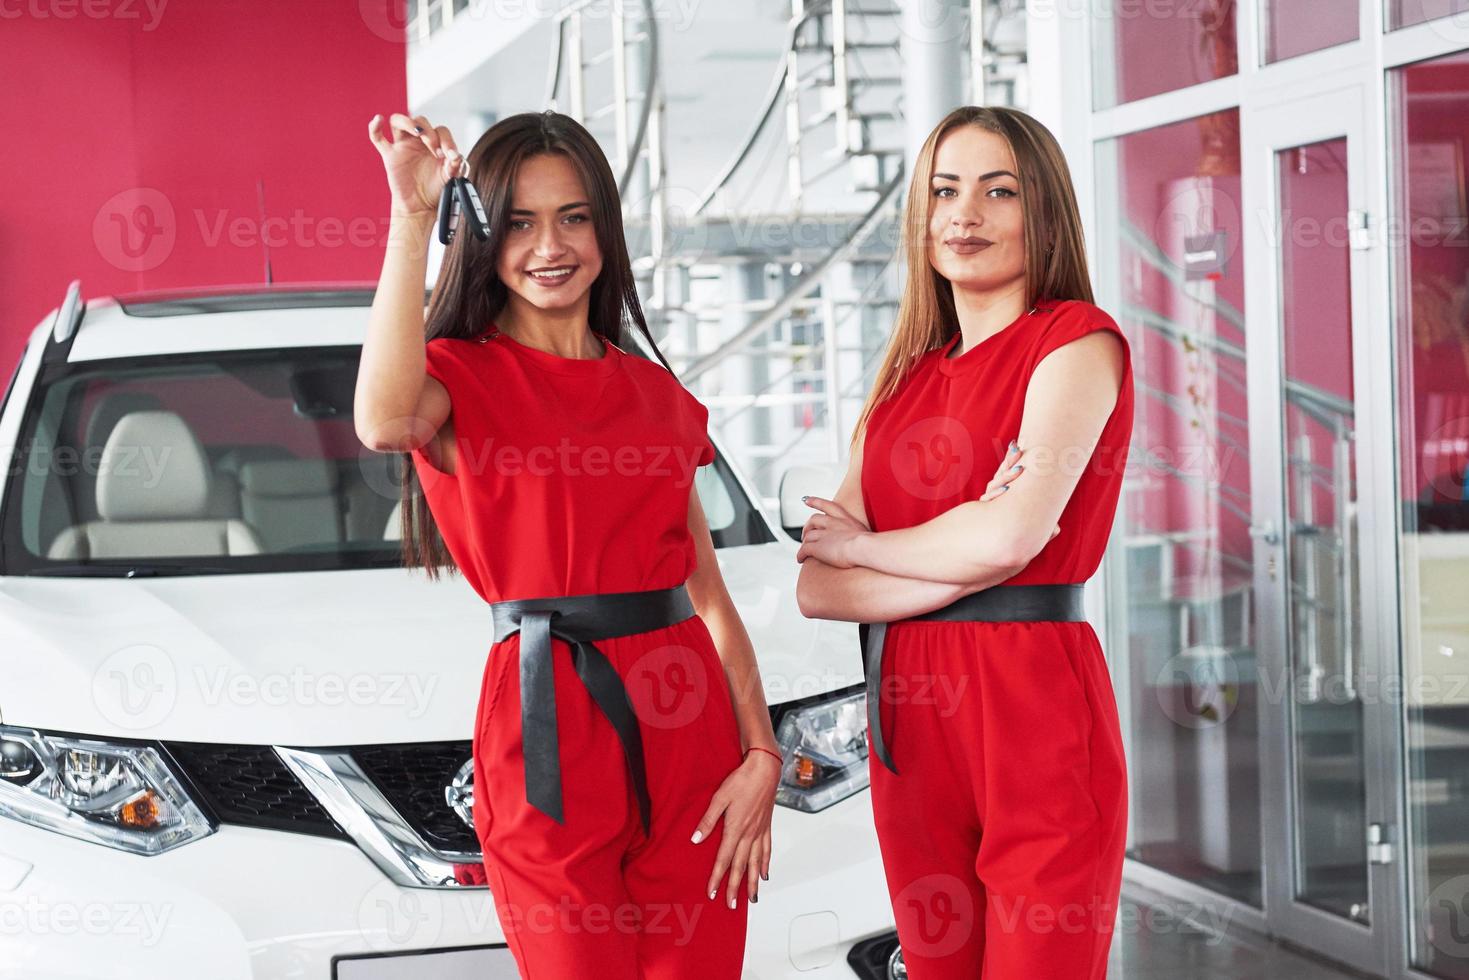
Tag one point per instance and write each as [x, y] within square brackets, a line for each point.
[1017, 468]
[1013, 446]
[419, 128]
[755, 898]
[765, 876]
[731, 901]
[698, 836]
[712, 891]
[1003, 489]
[805, 497]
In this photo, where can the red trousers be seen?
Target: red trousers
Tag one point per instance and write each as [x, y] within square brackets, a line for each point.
[1002, 833]
[595, 896]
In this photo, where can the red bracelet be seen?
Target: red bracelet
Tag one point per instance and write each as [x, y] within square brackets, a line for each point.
[756, 748]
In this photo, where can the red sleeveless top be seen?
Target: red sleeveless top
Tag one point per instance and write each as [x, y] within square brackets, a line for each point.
[573, 474]
[938, 440]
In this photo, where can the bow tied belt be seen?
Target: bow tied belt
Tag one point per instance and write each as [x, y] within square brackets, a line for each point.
[998, 603]
[580, 620]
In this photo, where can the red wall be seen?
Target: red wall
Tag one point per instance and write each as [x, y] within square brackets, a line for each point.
[135, 138]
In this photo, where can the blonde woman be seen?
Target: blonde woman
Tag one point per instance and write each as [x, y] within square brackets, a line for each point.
[985, 472]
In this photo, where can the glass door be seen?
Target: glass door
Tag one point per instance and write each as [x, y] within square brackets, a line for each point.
[1324, 578]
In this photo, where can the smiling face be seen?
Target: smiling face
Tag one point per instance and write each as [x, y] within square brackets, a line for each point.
[549, 255]
[976, 200]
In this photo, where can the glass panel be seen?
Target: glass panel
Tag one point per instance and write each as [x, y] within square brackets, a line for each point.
[1295, 27]
[1406, 13]
[1187, 565]
[1431, 102]
[1321, 547]
[1198, 36]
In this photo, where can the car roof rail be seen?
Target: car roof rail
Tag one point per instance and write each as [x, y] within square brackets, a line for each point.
[69, 314]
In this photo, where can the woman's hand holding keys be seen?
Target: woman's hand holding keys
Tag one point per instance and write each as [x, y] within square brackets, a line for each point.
[419, 161]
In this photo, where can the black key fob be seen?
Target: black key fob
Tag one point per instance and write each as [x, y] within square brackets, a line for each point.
[460, 203]
[447, 201]
[470, 206]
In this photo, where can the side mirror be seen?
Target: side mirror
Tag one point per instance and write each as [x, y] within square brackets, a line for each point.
[800, 481]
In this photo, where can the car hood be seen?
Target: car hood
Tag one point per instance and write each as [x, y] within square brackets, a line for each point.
[319, 658]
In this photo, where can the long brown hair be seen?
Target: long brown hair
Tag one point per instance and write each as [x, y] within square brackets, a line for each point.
[926, 316]
[469, 293]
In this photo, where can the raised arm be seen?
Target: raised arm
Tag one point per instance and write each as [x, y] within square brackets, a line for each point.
[397, 406]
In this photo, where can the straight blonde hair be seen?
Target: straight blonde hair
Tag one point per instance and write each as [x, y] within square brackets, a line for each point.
[1055, 251]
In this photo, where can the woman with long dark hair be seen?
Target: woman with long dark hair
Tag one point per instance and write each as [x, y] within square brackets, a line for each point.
[624, 764]
[998, 779]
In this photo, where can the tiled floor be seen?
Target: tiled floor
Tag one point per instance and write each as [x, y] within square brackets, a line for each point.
[1151, 945]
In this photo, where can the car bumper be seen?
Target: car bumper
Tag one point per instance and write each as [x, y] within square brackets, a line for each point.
[250, 903]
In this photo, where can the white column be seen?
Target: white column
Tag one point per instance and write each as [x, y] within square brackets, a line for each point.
[934, 36]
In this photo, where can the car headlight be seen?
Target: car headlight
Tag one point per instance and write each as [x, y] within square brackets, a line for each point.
[825, 748]
[123, 796]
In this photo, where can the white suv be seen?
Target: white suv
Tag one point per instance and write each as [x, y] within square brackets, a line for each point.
[235, 732]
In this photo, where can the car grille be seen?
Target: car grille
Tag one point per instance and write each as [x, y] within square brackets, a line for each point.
[250, 786]
[413, 778]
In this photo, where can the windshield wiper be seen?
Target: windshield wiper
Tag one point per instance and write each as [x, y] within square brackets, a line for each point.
[131, 570]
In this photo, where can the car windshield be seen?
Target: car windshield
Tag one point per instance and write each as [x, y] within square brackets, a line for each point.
[231, 461]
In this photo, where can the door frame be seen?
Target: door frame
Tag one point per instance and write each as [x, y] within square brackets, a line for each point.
[1322, 114]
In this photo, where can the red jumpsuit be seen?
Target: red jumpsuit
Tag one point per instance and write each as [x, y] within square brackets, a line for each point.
[1002, 832]
[573, 476]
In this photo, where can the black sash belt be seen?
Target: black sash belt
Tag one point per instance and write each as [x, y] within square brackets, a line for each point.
[580, 620]
[998, 603]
